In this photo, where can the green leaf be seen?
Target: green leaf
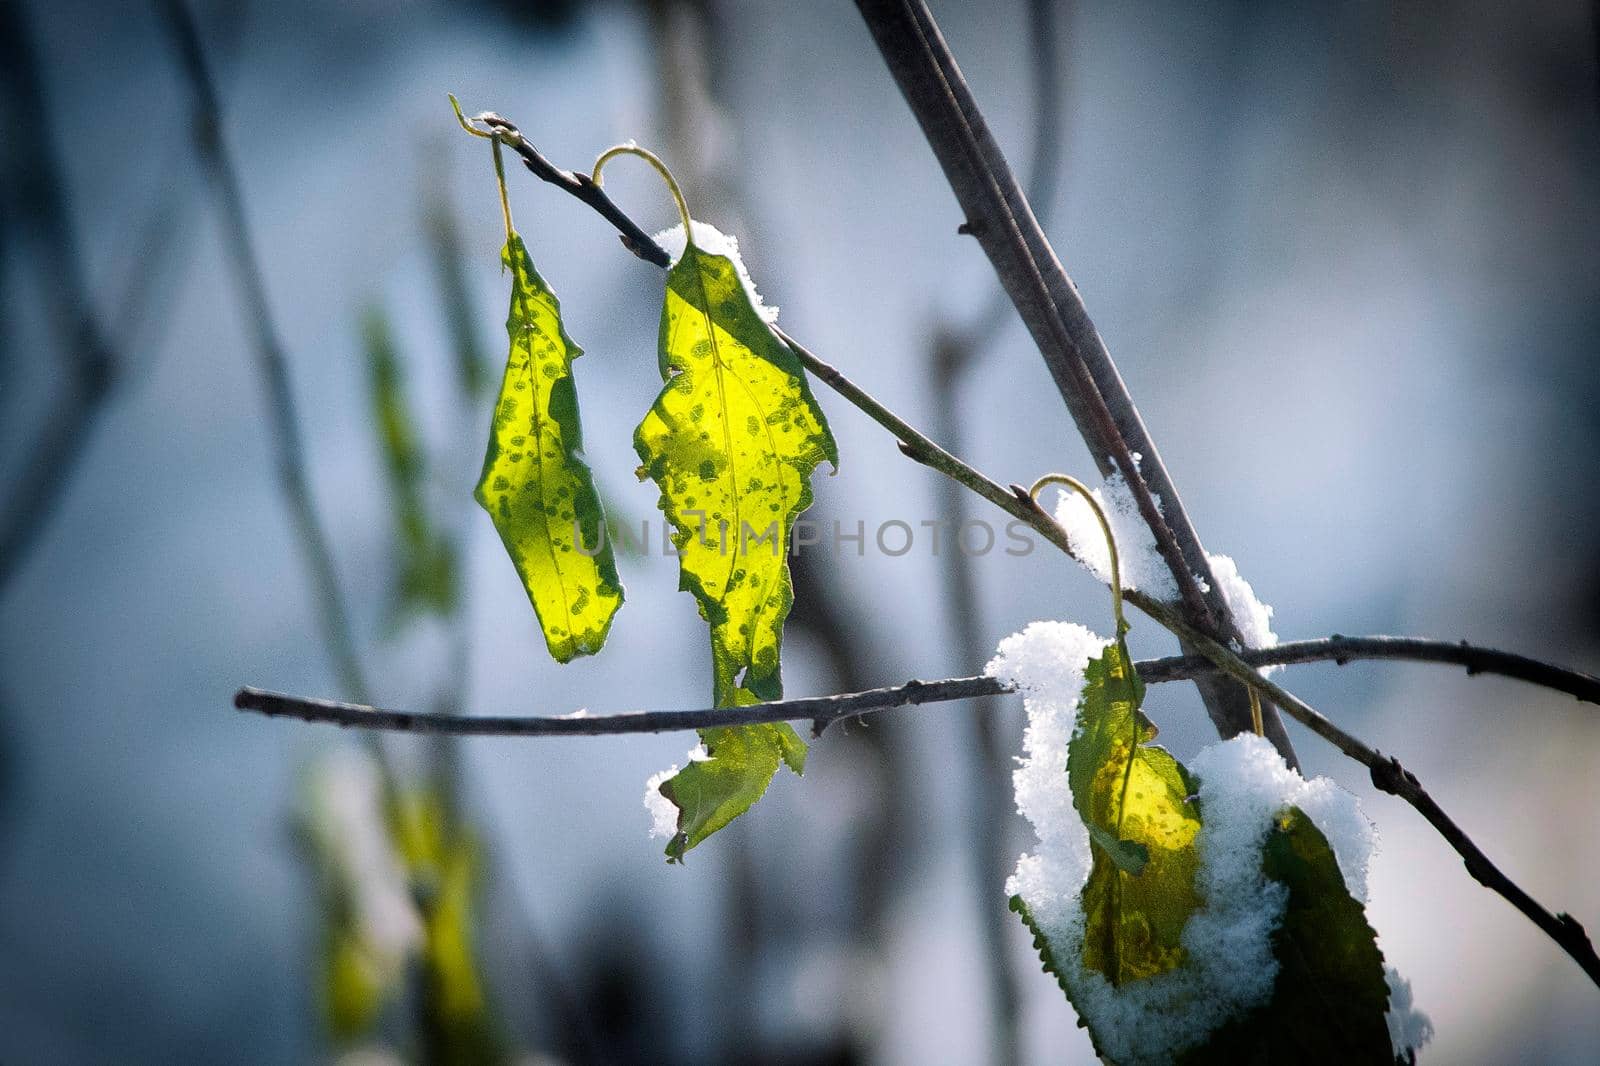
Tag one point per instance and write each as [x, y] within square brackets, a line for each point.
[732, 442]
[1134, 798]
[535, 486]
[427, 580]
[1330, 999]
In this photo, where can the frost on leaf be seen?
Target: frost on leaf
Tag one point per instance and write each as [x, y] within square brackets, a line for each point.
[732, 442]
[535, 484]
[1191, 954]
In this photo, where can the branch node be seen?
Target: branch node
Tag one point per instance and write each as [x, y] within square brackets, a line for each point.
[1389, 776]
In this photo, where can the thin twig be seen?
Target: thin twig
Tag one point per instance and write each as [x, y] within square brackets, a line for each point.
[822, 711]
[1340, 649]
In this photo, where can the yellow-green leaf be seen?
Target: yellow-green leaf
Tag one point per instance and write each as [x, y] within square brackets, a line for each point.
[732, 442]
[535, 484]
[1134, 797]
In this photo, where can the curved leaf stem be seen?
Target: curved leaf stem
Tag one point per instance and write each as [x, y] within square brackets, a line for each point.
[494, 136]
[660, 168]
[500, 177]
[1068, 481]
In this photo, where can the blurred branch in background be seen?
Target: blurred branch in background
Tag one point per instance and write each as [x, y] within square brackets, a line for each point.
[271, 363]
[94, 359]
[441, 852]
[954, 351]
[35, 213]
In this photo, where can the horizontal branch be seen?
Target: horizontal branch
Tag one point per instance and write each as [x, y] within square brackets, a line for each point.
[1342, 650]
[822, 711]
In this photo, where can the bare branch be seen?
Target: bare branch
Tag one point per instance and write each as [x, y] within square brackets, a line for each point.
[1342, 650]
[634, 239]
[1001, 218]
[822, 711]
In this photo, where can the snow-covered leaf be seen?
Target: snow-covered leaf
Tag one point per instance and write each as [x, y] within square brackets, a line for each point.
[1331, 996]
[1134, 799]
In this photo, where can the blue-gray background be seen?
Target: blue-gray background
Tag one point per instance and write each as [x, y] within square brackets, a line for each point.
[1345, 257]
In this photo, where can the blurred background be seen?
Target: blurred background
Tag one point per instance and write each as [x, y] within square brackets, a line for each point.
[1345, 255]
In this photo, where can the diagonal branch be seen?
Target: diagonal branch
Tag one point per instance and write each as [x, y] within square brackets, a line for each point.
[1000, 217]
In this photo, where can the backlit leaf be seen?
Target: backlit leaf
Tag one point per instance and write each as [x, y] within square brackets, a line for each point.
[732, 442]
[1134, 798]
[535, 484]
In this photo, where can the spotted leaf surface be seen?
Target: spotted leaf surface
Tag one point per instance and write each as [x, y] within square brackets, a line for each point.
[732, 442]
[535, 484]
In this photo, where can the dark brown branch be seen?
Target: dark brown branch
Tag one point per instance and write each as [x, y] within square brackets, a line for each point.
[1342, 650]
[820, 711]
[634, 239]
[823, 711]
[999, 216]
